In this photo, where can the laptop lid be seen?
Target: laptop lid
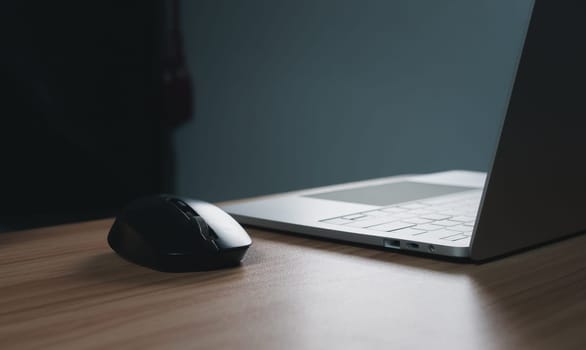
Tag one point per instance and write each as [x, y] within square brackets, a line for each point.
[536, 189]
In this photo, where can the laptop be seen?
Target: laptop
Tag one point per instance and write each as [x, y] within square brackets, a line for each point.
[534, 192]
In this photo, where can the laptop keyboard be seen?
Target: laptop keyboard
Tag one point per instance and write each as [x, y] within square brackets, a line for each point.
[449, 218]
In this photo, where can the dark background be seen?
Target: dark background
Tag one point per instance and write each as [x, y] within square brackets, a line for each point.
[289, 94]
[81, 130]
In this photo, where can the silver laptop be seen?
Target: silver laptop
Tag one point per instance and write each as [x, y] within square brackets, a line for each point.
[534, 193]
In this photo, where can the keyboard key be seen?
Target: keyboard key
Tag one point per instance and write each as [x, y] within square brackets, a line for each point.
[391, 226]
[421, 212]
[372, 221]
[429, 227]
[375, 213]
[337, 221]
[404, 231]
[451, 212]
[416, 220]
[461, 228]
[404, 215]
[455, 237]
[447, 223]
[410, 231]
[354, 216]
[433, 216]
[440, 234]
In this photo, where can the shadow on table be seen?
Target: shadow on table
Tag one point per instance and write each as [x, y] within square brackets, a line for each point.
[111, 268]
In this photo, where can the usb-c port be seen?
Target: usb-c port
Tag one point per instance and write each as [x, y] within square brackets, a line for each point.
[412, 245]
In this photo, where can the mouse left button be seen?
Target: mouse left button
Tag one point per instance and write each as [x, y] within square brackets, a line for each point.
[184, 207]
[125, 241]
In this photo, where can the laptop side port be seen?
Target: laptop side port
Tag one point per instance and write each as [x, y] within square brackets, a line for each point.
[392, 243]
[412, 245]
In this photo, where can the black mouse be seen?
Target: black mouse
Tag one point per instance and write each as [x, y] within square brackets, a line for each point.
[170, 234]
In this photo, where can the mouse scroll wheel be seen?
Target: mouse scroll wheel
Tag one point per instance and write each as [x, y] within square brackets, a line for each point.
[183, 207]
[204, 228]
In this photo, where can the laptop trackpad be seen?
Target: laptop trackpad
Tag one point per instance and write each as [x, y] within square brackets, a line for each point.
[391, 193]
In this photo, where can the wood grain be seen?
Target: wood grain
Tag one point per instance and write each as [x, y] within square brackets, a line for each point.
[63, 288]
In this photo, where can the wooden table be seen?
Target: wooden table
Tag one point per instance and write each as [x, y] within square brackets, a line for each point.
[62, 287]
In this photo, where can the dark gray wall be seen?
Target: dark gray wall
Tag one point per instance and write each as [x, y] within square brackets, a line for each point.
[293, 94]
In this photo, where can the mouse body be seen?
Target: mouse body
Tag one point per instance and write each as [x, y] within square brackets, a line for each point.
[167, 233]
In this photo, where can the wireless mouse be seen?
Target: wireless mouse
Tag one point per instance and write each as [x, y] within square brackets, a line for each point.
[167, 233]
